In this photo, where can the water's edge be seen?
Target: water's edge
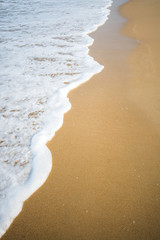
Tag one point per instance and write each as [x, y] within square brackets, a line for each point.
[42, 161]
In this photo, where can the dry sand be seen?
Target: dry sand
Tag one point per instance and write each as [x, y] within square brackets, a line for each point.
[105, 182]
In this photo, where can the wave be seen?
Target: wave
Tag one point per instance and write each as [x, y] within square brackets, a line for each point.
[44, 55]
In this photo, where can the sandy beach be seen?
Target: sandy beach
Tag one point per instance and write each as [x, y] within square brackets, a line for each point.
[105, 182]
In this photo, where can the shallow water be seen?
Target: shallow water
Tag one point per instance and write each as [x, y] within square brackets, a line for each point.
[43, 55]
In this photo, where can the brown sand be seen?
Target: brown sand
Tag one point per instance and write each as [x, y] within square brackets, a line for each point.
[106, 178]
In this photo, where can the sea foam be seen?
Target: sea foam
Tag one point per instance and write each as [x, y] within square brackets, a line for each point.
[43, 46]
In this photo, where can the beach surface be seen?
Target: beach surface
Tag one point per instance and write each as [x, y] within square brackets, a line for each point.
[105, 182]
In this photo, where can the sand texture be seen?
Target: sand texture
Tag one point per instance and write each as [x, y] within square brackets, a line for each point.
[105, 183]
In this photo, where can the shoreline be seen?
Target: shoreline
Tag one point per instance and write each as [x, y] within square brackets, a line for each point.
[103, 182]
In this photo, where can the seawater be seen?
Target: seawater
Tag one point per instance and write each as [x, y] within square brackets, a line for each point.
[43, 55]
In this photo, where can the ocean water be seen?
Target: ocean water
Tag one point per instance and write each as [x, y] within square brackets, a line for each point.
[43, 55]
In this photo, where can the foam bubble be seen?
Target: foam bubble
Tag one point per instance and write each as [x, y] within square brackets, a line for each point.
[43, 45]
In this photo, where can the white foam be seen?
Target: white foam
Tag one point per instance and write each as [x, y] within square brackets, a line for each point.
[42, 46]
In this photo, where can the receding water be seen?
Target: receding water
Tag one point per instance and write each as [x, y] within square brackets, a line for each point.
[43, 46]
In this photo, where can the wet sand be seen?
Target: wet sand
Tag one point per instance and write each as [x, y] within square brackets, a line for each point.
[105, 182]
